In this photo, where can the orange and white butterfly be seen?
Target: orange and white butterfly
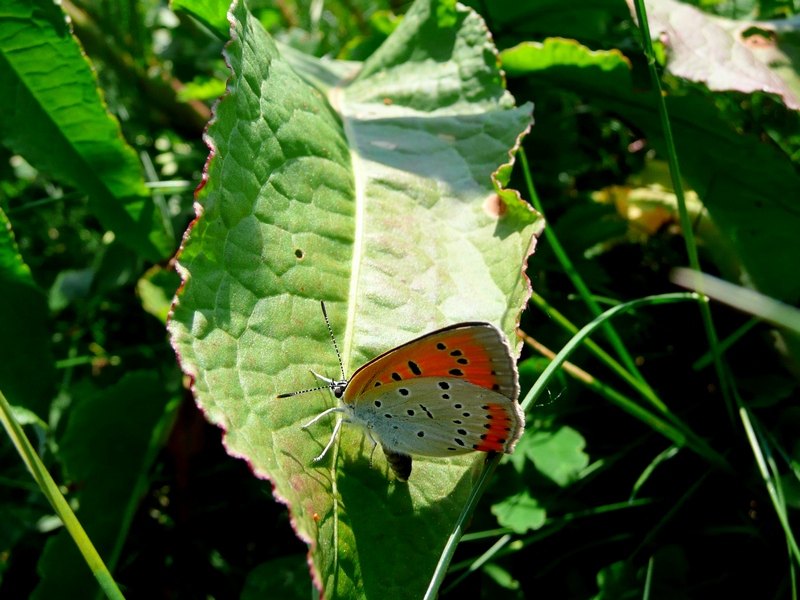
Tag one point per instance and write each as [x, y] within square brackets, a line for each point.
[448, 392]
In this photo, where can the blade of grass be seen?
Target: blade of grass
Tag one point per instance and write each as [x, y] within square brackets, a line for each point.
[668, 515]
[679, 435]
[541, 384]
[543, 381]
[686, 223]
[611, 334]
[644, 389]
[552, 522]
[480, 561]
[57, 500]
[749, 301]
[157, 441]
[769, 482]
[708, 358]
[463, 520]
[665, 455]
[648, 582]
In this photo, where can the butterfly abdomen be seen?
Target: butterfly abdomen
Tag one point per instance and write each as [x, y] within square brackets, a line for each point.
[400, 464]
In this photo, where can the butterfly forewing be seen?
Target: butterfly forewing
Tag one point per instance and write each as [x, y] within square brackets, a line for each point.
[472, 352]
[438, 416]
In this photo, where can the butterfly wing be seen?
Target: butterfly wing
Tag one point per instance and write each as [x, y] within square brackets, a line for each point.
[440, 416]
[473, 352]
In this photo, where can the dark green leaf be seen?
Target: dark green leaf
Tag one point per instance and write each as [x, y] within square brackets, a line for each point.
[286, 578]
[520, 512]
[52, 113]
[109, 444]
[27, 367]
[742, 181]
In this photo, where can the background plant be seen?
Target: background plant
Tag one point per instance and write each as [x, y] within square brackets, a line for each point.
[677, 491]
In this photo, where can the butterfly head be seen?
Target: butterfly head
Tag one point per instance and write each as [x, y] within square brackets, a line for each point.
[337, 387]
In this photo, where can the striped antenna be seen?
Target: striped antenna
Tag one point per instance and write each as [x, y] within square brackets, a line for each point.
[333, 339]
[322, 387]
[332, 385]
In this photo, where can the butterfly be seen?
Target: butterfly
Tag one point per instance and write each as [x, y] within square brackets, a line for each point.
[448, 392]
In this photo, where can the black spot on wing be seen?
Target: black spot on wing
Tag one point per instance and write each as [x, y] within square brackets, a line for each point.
[414, 367]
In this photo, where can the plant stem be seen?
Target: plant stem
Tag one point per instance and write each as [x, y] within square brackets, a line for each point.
[57, 500]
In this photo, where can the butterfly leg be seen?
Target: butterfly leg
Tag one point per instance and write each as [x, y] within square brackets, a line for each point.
[374, 445]
[336, 429]
[322, 378]
[322, 414]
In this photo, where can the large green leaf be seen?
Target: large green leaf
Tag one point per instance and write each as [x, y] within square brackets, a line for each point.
[749, 187]
[719, 53]
[27, 367]
[51, 112]
[382, 197]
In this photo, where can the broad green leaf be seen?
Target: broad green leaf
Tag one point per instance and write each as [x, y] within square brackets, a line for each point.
[156, 288]
[285, 578]
[520, 512]
[382, 195]
[110, 442]
[52, 113]
[558, 455]
[503, 579]
[586, 20]
[744, 182]
[210, 13]
[27, 367]
[716, 51]
[617, 580]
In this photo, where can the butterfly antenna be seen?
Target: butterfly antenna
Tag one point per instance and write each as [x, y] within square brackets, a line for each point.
[323, 387]
[335, 347]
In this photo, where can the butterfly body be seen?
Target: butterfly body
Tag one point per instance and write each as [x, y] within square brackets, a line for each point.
[448, 392]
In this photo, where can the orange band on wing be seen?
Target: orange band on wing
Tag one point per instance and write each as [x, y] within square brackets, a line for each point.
[471, 352]
[499, 431]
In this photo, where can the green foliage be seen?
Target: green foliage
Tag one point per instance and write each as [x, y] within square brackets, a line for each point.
[400, 165]
[107, 449]
[368, 155]
[520, 513]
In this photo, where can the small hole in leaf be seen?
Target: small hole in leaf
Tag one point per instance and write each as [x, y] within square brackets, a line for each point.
[299, 254]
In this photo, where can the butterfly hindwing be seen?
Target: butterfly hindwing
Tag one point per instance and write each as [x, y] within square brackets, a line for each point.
[473, 352]
[439, 416]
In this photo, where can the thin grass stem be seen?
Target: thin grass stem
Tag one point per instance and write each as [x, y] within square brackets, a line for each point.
[686, 223]
[57, 500]
[577, 281]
